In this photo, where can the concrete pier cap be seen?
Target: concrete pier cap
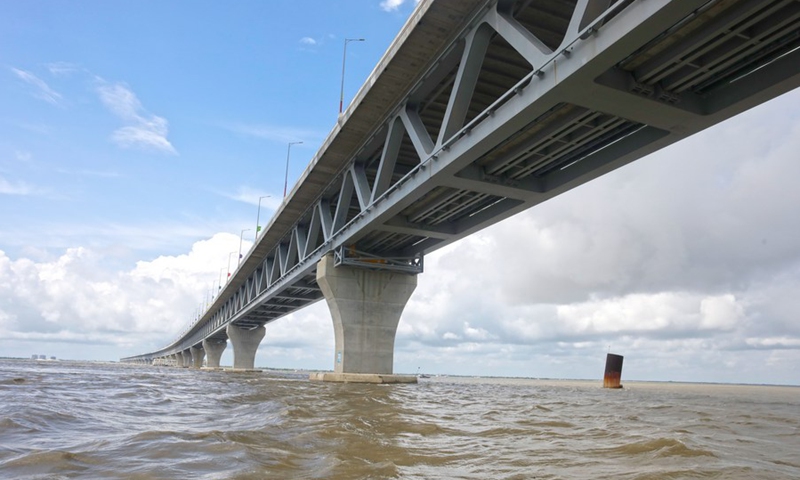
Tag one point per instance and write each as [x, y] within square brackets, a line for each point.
[365, 306]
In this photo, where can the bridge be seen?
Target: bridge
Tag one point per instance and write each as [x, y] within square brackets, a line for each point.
[478, 110]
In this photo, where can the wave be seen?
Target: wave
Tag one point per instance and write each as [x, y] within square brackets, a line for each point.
[660, 447]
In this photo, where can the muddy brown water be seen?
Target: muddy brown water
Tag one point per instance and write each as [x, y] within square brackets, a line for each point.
[86, 420]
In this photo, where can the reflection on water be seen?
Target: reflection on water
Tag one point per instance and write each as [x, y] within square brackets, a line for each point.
[77, 420]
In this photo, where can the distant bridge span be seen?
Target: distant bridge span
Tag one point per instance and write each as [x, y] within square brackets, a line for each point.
[478, 110]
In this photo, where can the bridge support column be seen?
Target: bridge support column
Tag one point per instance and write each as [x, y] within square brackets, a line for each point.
[245, 344]
[197, 354]
[186, 355]
[365, 306]
[214, 349]
[177, 360]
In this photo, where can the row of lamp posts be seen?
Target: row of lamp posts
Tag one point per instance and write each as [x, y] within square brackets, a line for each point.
[288, 155]
[285, 185]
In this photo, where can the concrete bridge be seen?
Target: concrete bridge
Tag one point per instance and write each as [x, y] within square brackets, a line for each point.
[478, 110]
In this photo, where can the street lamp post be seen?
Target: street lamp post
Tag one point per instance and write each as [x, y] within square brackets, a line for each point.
[241, 235]
[286, 177]
[229, 264]
[258, 216]
[344, 58]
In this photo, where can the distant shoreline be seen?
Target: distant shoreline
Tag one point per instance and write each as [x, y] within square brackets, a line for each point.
[434, 377]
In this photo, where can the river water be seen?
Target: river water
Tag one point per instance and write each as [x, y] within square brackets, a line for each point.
[84, 420]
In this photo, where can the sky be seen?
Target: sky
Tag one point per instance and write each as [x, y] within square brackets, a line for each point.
[136, 139]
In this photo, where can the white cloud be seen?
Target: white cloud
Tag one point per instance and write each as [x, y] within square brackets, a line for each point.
[23, 156]
[62, 69]
[308, 41]
[41, 90]
[74, 298]
[39, 128]
[251, 196]
[144, 130]
[668, 314]
[394, 5]
[158, 235]
[289, 345]
[391, 5]
[150, 135]
[74, 304]
[17, 188]
[774, 343]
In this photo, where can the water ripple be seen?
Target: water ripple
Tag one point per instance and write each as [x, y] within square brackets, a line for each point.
[73, 420]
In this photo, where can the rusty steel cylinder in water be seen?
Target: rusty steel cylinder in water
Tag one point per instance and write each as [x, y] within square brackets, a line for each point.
[613, 373]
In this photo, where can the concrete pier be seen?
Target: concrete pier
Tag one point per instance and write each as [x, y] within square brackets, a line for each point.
[214, 351]
[197, 357]
[245, 345]
[365, 307]
[186, 355]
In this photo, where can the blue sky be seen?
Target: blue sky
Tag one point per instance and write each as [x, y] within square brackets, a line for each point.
[136, 139]
[111, 112]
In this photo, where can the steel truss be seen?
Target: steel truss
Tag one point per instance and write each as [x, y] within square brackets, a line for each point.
[529, 100]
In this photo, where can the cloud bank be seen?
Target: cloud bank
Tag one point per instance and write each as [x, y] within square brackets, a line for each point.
[74, 298]
[8, 187]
